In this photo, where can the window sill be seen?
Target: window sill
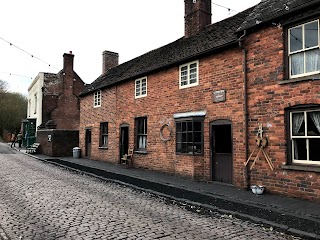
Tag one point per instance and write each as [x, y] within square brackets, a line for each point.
[105, 148]
[190, 154]
[141, 151]
[301, 79]
[304, 168]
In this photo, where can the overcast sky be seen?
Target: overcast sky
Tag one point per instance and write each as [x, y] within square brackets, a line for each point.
[49, 28]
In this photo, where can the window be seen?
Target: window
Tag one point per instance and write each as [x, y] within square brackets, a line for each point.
[97, 99]
[29, 108]
[35, 103]
[103, 134]
[303, 41]
[189, 136]
[141, 130]
[305, 136]
[141, 87]
[189, 75]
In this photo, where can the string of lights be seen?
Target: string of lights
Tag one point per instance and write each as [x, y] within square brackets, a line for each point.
[18, 75]
[229, 9]
[32, 55]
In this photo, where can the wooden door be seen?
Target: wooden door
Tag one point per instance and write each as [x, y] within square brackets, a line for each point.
[221, 151]
[88, 143]
[124, 140]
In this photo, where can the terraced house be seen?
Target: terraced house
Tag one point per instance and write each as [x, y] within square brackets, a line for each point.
[237, 101]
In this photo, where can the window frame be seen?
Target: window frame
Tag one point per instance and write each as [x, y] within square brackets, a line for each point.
[291, 137]
[140, 93]
[188, 75]
[289, 54]
[97, 99]
[104, 134]
[192, 120]
[29, 108]
[143, 134]
[35, 103]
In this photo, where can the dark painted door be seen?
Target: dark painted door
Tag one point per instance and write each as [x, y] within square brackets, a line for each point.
[221, 149]
[124, 140]
[88, 143]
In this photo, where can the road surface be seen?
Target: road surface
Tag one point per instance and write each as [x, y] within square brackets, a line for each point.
[42, 201]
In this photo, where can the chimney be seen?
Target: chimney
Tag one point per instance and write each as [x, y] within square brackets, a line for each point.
[109, 60]
[197, 16]
[68, 72]
[68, 62]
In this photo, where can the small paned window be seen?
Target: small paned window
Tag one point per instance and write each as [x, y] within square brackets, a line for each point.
[141, 87]
[29, 108]
[35, 103]
[304, 52]
[103, 134]
[97, 99]
[141, 130]
[189, 75]
[305, 136]
[189, 136]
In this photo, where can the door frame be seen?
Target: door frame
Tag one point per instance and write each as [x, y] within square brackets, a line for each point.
[87, 149]
[213, 124]
[125, 127]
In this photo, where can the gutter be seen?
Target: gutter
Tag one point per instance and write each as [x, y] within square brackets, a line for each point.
[245, 105]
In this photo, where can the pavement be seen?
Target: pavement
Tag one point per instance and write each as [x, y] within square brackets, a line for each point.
[293, 216]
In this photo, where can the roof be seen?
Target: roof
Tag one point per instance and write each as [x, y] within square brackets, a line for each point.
[213, 37]
[269, 10]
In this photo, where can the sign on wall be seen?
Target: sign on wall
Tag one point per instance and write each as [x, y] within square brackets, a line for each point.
[219, 96]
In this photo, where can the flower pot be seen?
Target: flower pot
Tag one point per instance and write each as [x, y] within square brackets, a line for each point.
[256, 189]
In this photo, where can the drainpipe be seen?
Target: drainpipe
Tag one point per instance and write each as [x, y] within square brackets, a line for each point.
[246, 113]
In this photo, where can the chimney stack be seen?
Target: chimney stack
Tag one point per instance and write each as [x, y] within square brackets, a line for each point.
[197, 16]
[68, 73]
[68, 61]
[109, 60]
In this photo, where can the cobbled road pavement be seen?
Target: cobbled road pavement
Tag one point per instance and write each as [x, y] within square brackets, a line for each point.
[42, 201]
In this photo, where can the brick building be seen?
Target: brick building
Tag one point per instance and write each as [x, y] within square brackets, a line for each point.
[54, 103]
[194, 107]
[55, 97]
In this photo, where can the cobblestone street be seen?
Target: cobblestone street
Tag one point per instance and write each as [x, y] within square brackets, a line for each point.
[41, 201]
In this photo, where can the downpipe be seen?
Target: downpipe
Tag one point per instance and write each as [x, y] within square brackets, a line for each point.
[245, 106]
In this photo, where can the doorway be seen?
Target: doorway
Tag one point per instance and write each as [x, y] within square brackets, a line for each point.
[221, 151]
[88, 143]
[124, 140]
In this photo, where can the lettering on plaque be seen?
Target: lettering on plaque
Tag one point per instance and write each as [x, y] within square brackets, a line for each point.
[219, 96]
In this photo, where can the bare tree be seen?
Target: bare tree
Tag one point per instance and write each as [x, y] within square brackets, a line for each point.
[13, 108]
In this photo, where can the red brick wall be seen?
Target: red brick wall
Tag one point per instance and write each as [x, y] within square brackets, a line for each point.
[267, 102]
[91, 117]
[163, 100]
[61, 144]
[62, 104]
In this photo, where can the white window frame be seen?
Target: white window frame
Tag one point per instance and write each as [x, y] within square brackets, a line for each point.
[305, 136]
[188, 75]
[97, 99]
[138, 92]
[35, 103]
[29, 108]
[304, 50]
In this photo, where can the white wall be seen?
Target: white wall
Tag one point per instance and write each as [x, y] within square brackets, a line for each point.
[35, 98]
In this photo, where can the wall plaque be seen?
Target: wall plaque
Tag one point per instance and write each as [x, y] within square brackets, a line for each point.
[219, 96]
